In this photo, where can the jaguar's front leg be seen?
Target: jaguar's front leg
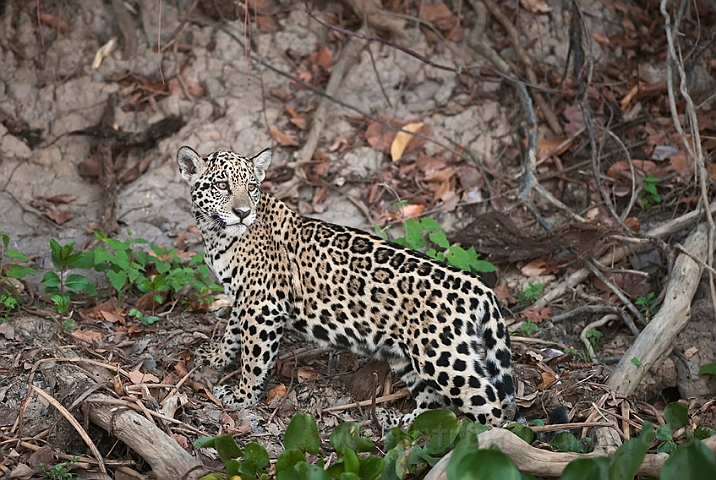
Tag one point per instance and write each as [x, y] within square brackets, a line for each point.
[221, 354]
[260, 338]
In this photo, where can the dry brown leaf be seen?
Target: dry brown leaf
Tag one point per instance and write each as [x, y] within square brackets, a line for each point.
[283, 139]
[633, 224]
[601, 40]
[138, 377]
[89, 336]
[323, 58]
[534, 315]
[629, 96]
[276, 393]
[304, 374]
[470, 177]
[502, 292]
[440, 175]
[547, 147]
[439, 15]
[267, 24]
[536, 6]
[684, 165]
[412, 210]
[300, 122]
[7, 331]
[56, 22]
[283, 92]
[534, 268]
[402, 139]
[59, 216]
[547, 380]
[111, 317]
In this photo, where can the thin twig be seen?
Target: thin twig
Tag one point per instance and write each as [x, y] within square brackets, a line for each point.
[75, 424]
[617, 291]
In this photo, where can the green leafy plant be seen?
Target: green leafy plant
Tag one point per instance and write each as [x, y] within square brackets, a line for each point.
[648, 304]
[427, 234]
[61, 471]
[529, 328]
[594, 336]
[531, 293]
[649, 194]
[143, 319]
[63, 286]
[157, 271]
[676, 415]
[11, 270]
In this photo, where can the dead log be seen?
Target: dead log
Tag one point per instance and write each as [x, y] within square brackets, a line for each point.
[168, 460]
[659, 334]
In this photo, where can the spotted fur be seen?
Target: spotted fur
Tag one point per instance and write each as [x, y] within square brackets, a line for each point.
[439, 327]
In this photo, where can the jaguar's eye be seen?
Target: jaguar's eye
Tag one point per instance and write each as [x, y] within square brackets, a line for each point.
[251, 187]
[222, 185]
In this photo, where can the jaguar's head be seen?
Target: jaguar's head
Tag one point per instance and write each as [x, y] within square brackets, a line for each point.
[225, 188]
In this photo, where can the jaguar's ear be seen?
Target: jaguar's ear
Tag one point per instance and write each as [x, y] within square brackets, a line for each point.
[261, 163]
[191, 165]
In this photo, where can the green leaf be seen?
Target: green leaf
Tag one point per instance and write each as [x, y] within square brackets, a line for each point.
[350, 460]
[702, 433]
[117, 279]
[676, 415]
[233, 468]
[226, 447]
[82, 260]
[482, 266]
[118, 245]
[430, 225]
[345, 435]
[627, 459]
[396, 437]
[204, 442]
[708, 369]
[80, 283]
[587, 469]
[62, 302]
[664, 432]
[484, 465]
[458, 257]
[120, 259]
[565, 442]
[303, 471]
[414, 236]
[51, 280]
[196, 259]
[371, 467]
[288, 459]
[16, 255]
[692, 460]
[19, 271]
[439, 239]
[348, 476]
[56, 251]
[302, 434]
[522, 431]
[438, 427]
[666, 447]
[255, 453]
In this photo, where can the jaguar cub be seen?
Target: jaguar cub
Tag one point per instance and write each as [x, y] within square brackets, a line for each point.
[439, 328]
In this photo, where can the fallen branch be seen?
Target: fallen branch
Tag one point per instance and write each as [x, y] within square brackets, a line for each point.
[168, 460]
[543, 463]
[672, 317]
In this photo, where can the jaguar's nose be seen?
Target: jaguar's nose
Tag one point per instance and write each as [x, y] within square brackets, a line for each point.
[242, 213]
